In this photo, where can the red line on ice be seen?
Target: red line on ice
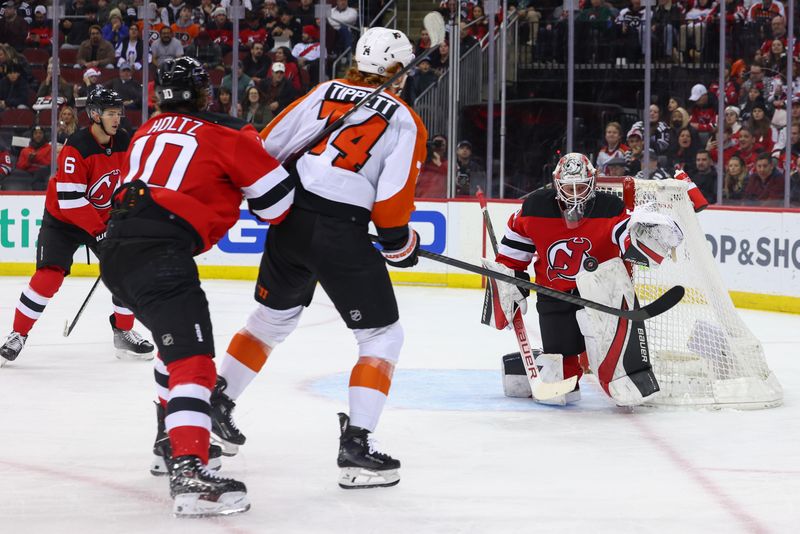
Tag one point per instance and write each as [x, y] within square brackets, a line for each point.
[749, 522]
[140, 495]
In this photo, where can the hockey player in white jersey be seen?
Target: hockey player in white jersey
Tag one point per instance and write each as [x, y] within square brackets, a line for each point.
[364, 171]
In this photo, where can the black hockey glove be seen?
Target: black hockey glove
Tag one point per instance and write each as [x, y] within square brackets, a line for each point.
[401, 252]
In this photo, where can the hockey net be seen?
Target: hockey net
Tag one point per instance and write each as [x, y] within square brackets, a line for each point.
[703, 354]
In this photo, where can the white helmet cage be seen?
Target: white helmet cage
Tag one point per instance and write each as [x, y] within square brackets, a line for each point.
[574, 180]
[380, 48]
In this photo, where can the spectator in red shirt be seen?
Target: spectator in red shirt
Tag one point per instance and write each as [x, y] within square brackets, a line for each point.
[5, 163]
[40, 34]
[432, 181]
[765, 186]
[253, 32]
[759, 123]
[704, 116]
[35, 159]
[746, 150]
[221, 30]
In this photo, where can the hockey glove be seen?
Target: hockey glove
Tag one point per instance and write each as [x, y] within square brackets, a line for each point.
[406, 255]
[502, 299]
[653, 236]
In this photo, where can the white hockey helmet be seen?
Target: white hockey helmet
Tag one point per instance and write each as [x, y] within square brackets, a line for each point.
[574, 180]
[380, 48]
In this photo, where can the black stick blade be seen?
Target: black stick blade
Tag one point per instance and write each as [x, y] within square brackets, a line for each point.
[663, 303]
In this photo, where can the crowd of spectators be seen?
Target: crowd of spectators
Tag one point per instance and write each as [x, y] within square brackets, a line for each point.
[101, 43]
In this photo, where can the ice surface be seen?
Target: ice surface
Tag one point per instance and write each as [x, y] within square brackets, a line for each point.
[78, 426]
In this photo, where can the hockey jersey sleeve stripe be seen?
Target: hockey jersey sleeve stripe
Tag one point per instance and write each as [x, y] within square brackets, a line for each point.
[514, 253]
[515, 240]
[275, 211]
[72, 203]
[267, 184]
[71, 195]
[65, 187]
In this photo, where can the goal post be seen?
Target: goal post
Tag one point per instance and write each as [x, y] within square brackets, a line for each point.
[703, 353]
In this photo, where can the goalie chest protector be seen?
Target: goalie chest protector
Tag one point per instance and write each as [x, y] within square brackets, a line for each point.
[539, 229]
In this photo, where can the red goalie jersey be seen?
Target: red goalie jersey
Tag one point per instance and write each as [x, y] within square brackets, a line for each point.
[539, 230]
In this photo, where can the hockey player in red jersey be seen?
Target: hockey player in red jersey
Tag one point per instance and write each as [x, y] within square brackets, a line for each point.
[183, 181]
[576, 236]
[77, 207]
[365, 171]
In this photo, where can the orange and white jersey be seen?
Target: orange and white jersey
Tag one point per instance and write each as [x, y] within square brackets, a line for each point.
[371, 162]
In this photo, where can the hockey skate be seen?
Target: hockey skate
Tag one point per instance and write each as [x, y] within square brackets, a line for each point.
[363, 466]
[198, 492]
[130, 345]
[12, 347]
[162, 451]
[223, 428]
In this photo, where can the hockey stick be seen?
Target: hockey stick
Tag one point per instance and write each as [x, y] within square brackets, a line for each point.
[434, 24]
[69, 327]
[540, 389]
[663, 303]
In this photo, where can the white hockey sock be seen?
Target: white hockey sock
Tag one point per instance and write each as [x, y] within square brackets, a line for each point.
[244, 358]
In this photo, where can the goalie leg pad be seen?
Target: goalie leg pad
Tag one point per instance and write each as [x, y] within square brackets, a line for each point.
[515, 379]
[552, 368]
[617, 348]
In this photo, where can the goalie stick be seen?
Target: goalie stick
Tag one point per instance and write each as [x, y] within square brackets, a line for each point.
[663, 303]
[69, 327]
[434, 24]
[540, 389]
[670, 298]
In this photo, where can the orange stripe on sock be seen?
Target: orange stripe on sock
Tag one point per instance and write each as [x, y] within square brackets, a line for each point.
[249, 351]
[373, 373]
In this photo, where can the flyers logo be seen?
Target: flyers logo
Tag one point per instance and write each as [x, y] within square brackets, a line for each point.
[102, 190]
[566, 257]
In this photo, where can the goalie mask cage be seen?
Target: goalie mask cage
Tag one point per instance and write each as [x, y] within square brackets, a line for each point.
[702, 352]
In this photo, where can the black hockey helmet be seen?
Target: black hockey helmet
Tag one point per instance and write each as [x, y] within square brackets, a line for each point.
[181, 80]
[101, 99]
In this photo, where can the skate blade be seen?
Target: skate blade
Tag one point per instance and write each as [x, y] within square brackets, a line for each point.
[192, 505]
[3, 361]
[158, 467]
[228, 448]
[359, 477]
[127, 355]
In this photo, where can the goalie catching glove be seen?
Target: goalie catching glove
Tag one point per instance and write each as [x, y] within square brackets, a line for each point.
[653, 236]
[502, 299]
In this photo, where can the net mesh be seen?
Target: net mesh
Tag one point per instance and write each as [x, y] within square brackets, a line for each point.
[703, 353]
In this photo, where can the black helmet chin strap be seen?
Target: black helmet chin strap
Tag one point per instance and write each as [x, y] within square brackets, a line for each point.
[100, 122]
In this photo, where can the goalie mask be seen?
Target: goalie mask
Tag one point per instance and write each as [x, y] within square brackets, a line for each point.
[574, 182]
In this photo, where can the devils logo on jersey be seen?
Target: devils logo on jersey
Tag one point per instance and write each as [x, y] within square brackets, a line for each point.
[565, 258]
[101, 192]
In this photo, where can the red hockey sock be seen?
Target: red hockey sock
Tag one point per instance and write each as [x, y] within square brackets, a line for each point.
[572, 366]
[123, 321]
[34, 298]
[188, 422]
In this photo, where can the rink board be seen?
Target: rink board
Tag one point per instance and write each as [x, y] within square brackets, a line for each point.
[757, 251]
